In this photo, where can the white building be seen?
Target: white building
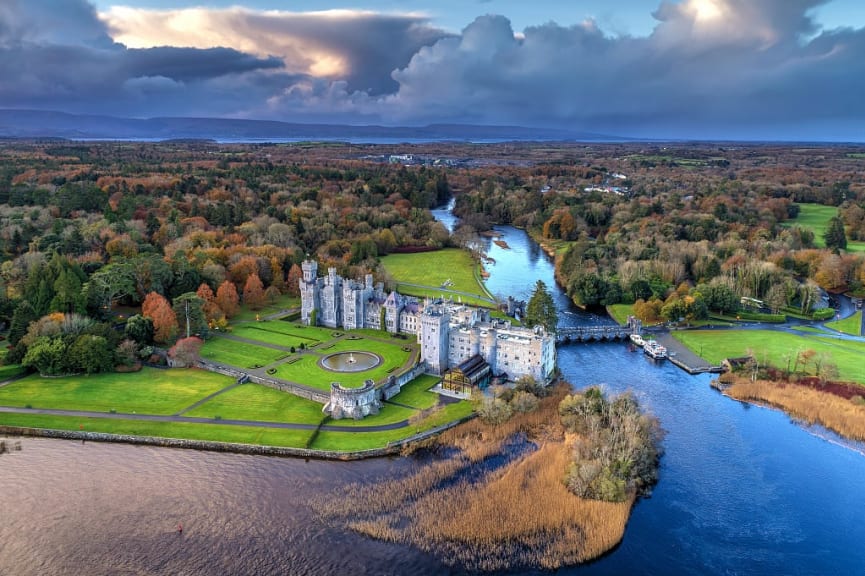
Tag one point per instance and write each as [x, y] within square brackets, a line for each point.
[448, 333]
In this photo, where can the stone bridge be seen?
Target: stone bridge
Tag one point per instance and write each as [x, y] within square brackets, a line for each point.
[598, 333]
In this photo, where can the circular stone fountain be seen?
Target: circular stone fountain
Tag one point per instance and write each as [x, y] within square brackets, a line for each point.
[354, 361]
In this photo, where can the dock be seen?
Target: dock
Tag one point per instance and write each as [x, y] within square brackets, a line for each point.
[681, 356]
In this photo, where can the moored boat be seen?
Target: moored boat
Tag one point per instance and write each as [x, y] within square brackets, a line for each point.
[637, 339]
[654, 350]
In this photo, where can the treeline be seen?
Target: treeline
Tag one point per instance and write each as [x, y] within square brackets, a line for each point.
[682, 233]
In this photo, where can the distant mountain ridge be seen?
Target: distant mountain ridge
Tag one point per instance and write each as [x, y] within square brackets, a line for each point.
[49, 124]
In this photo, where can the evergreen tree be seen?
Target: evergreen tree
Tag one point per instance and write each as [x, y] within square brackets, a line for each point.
[541, 309]
[22, 317]
[835, 236]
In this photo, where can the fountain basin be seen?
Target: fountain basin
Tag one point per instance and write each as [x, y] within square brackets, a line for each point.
[353, 361]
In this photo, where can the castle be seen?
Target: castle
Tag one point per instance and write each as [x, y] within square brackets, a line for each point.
[449, 333]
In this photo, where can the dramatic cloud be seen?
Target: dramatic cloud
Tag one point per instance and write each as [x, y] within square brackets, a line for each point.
[361, 48]
[713, 68]
[710, 68]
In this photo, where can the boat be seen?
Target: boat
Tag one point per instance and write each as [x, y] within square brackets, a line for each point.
[637, 339]
[654, 350]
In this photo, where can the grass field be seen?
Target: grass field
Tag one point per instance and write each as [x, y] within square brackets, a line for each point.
[239, 354]
[851, 325]
[815, 217]
[306, 370]
[620, 312]
[150, 391]
[10, 371]
[269, 336]
[260, 403]
[435, 269]
[347, 441]
[284, 302]
[246, 402]
[208, 432]
[776, 347]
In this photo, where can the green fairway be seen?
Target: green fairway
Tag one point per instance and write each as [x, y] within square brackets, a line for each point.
[777, 348]
[260, 403]
[815, 217]
[851, 325]
[451, 268]
[239, 354]
[150, 391]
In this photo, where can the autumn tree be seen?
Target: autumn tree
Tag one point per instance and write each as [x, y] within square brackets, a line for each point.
[186, 352]
[253, 292]
[157, 308]
[227, 299]
[292, 285]
[209, 306]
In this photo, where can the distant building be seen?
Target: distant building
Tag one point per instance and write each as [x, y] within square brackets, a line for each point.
[449, 333]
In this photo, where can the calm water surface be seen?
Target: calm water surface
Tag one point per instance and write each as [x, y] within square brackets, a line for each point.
[743, 490]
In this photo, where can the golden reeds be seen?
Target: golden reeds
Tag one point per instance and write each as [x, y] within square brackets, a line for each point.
[520, 514]
[813, 406]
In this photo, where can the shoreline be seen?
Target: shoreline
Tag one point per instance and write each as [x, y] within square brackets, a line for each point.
[393, 449]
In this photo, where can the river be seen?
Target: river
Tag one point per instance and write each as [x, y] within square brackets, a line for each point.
[743, 490]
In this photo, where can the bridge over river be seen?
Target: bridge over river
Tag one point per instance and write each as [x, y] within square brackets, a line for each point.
[598, 333]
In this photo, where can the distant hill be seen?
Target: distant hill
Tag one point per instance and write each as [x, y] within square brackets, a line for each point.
[47, 124]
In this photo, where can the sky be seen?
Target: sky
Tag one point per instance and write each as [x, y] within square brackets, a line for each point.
[705, 69]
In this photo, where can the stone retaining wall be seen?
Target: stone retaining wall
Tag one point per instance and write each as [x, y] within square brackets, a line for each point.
[389, 450]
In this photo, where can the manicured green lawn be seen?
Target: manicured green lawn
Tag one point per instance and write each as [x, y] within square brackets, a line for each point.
[389, 414]
[264, 334]
[10, 371]
[434, 269]
[620, 312]
[239, 354]
[185, 430]
[150, 391]
[815, 217]
[260, 403]
[282, 303]
[776, 348]
[851, 325]
[307, 371]
[416, 393]
[347, 441]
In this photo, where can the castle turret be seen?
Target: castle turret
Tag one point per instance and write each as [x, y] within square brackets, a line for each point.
[309, 292]
[433, 336]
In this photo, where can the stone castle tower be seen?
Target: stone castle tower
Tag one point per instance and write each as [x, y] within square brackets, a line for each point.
[433, 337]
[309, 292]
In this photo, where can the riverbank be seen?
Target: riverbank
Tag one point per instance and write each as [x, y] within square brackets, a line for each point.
[845, 416]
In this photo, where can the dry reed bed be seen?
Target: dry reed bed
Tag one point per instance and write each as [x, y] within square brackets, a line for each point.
[834, 412]
[520, 514]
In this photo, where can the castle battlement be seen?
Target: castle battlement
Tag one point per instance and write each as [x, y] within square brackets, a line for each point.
[449, 333]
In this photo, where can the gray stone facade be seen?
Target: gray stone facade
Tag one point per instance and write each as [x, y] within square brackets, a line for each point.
[448, 332]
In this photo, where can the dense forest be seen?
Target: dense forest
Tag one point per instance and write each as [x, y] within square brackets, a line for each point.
[683, 230]
[679, 230]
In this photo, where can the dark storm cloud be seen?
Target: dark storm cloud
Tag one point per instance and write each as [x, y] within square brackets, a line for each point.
[710, 68]
[372, 45]
[726, 68]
